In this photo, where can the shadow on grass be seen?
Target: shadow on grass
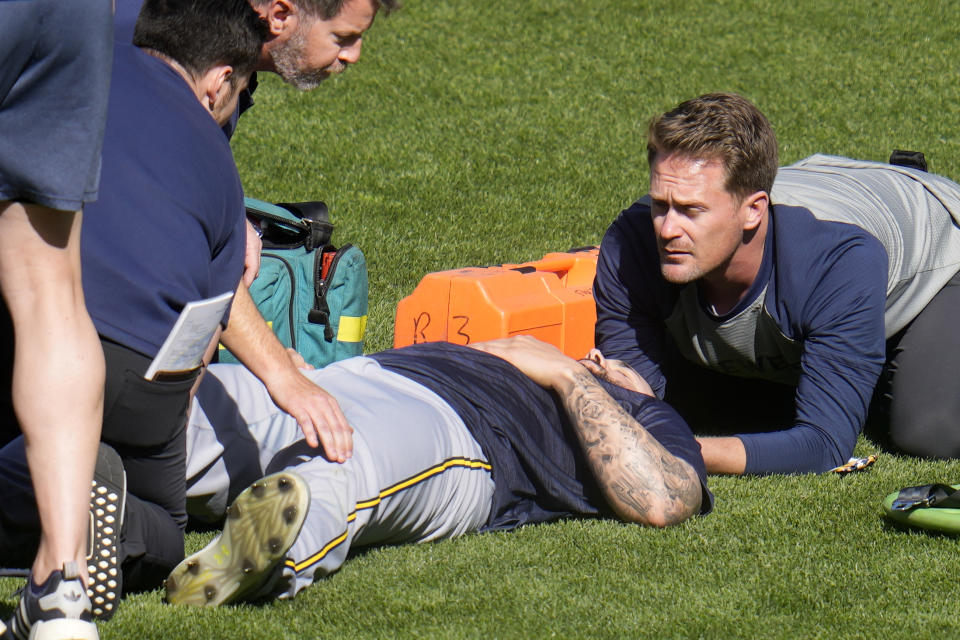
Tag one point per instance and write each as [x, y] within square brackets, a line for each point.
[890, 525]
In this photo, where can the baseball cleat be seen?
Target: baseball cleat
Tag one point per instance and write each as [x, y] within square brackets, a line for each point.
[261, 526]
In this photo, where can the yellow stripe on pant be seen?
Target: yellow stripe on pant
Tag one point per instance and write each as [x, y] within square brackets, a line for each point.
[385, 493]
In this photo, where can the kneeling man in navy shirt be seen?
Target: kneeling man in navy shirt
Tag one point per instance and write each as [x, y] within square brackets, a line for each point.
[771, 307]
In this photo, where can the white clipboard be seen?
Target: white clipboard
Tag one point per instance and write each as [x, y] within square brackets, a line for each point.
[188, 340]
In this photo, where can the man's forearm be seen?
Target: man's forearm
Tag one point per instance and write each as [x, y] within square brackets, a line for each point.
[642, 481]
[253, 343]
[316, 411]
[723, 455]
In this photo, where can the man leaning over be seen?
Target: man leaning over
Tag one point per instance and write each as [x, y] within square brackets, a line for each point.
[792, 290]
[307, 41]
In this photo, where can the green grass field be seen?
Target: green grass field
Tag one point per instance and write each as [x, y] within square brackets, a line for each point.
[476, 133]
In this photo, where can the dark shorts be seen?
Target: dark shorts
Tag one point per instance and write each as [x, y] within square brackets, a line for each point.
[55, 62]
[917, 400]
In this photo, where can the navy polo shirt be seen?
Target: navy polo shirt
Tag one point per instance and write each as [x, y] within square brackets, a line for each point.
[168, 227]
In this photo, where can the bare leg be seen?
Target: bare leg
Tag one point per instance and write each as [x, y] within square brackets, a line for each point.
[58, 372]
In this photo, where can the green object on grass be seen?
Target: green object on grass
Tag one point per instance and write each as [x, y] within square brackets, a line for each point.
[933, 518]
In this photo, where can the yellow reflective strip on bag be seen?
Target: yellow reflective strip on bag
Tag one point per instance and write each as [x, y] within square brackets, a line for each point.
[352, 328]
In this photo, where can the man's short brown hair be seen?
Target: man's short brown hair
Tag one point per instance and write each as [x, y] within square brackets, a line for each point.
[326, 9]
[724, 127]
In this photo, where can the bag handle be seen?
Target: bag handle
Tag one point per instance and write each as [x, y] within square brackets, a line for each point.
[317, 218]
[289, 225]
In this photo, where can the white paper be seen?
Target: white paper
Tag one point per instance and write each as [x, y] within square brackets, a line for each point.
[188, 340]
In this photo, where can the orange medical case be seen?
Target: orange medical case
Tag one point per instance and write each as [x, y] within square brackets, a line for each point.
[550, 299]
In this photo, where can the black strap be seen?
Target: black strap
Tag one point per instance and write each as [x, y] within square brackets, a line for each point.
[314, 210]
[316, 216]
[912, 159]
[927, 495]
[320, 314]
[310, 229]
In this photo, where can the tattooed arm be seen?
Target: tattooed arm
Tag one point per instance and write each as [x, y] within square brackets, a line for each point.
[641, 480]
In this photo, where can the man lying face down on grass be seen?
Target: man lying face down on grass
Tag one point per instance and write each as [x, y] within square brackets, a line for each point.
[448, 440]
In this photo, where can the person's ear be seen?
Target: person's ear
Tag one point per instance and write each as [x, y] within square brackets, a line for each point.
[754, 207]
[281, 17]
[596, 356]
[214, 84]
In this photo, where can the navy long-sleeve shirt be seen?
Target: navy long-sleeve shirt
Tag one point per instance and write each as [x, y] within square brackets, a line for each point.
[872, 245]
